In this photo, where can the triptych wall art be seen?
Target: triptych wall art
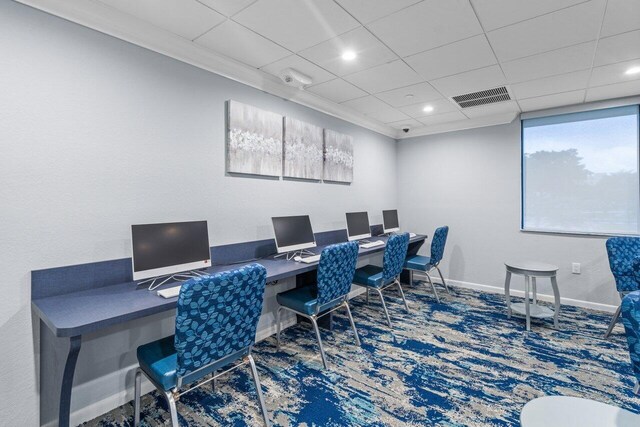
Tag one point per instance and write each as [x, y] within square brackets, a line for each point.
[263, 143]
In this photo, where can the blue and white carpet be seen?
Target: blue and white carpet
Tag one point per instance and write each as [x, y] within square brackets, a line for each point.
[457, 363]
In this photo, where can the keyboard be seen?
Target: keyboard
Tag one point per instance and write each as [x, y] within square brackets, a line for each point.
[169, 292]
[310, 259]
[412, 235]
[373, 244]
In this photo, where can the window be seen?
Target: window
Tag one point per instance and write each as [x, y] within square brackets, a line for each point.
[580, 172]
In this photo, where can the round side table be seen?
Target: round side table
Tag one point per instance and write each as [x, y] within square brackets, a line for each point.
[531, 270]
[565, 411]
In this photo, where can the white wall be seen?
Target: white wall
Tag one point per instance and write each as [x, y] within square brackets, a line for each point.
[470, 181]
[97, 134]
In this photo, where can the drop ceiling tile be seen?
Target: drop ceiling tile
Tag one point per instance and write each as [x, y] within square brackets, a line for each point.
[186, 18]
[408, 123]
[440, 106]
[500, 13]
[388, 115]
[618, 90]
[565, 60]
[563, 28]
[296, 24]
[471, 81]
[237, 42]
[453, 58]
[422, 92]
[453, 116]
[621, 16]
[618, 48]
[384, 77]
[366, 11]
[613, 73]
[426, 25]
[550, 101]
[337, 90]
[366, 104]
[492, 109]
[317, 74]
[370, 52]
[227, 7]
[550, 85]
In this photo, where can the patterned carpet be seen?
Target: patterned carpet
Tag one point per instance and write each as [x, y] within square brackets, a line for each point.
[458, 363]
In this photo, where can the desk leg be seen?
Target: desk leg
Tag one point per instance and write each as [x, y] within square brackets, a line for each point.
[67, 381]
[535, 290]
[526, 302]
[556, 298]
[507, 284]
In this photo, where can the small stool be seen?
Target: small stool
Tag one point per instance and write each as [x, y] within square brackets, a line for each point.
[565, 411]
[530, 270]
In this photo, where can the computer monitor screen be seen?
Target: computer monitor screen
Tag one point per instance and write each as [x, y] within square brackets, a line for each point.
[293, 233]
[358, 225]
[168, 248]
[390, 221]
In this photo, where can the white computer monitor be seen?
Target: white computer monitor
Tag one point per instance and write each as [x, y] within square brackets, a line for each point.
[358, 226]
[293, 233]
[169, 248]
[390, 221]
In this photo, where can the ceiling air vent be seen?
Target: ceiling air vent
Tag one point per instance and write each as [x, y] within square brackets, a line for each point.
[489, 96]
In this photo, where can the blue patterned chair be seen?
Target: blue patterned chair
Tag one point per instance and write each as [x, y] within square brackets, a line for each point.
[423, 265]
[624, 261]
[335, 275]
[381, 278]
[630, 314]
[216, 321]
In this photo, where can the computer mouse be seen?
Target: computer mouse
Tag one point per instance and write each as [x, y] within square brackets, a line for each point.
[297, 258]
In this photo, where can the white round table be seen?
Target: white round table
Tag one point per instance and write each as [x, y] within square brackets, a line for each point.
[565, 411]
[530, 270]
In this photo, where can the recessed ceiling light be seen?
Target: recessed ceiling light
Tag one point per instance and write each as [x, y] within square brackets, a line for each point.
[633, 70]
[349, 55]
[427, 109]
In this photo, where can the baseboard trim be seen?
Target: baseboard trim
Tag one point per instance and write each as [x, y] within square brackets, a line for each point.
[543, 297]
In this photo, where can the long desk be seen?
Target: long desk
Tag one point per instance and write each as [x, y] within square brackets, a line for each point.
[71, 306]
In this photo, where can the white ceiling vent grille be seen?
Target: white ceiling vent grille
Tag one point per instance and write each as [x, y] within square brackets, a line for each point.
[489, 96]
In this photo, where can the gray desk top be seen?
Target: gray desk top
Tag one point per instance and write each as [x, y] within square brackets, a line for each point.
[92, 309]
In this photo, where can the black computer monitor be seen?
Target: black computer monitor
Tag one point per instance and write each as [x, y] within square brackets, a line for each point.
[390, 221]
[358, 225]
[168, 248]
[293, 233]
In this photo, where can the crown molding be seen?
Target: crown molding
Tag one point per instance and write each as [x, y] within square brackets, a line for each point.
[100, 17]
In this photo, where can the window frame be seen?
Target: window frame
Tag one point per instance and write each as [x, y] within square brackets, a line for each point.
[559, 112]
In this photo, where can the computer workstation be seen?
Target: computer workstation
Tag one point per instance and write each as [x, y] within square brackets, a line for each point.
[358, 229]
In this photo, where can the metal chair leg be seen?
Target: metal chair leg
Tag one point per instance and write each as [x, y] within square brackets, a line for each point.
[433, 287]
[171, 401]
[384, 306]
[256, 381]
[402, 294]
[315, 327]
[443, 281]
[367, 296]
[353, 325]
[136, 398]
[278, 328]
[613, 321]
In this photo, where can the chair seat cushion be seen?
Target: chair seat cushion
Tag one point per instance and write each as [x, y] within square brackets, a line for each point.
[418, 262]
[303, 300]
[370, 275]
[159, 361]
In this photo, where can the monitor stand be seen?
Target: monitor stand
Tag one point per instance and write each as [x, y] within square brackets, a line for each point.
[158, 281]
[291, 255]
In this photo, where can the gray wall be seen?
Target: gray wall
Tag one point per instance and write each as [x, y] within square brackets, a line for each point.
[470, 180]
[97, 134]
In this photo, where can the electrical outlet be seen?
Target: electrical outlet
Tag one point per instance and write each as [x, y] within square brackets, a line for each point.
[575, 268]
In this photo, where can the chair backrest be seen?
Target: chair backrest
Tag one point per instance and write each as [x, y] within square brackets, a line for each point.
[630, 314]
[437, 244]
[217, 316]
[335, 271]
[623, 252]
[394, 256]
